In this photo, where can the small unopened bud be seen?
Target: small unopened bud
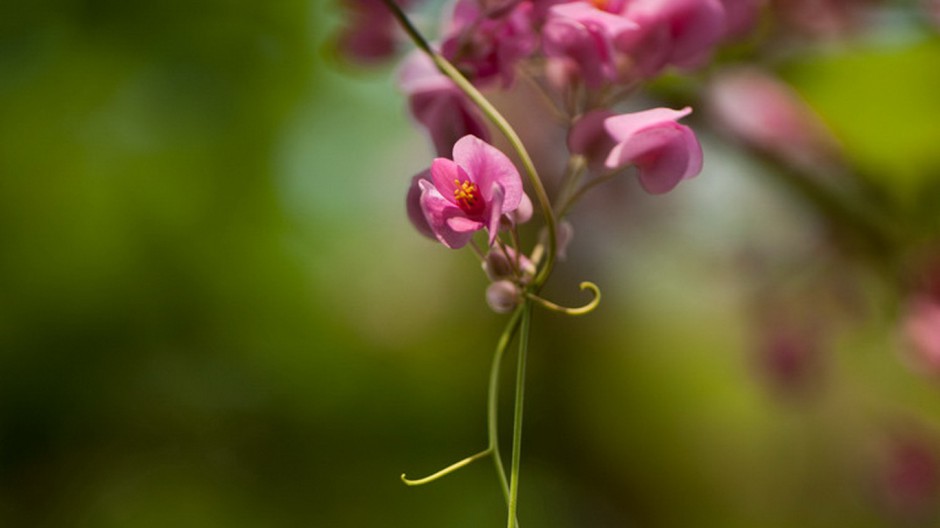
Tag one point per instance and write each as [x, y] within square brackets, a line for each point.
[500, 264]
[519, 215]
[502, 296]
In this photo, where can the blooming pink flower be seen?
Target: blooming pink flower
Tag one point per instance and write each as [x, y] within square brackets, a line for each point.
[436, 102]
[582, 36]
[663, 151]
[471, 192]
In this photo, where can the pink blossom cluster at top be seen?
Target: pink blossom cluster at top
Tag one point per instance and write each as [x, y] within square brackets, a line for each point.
[597, 42]
[580, 52]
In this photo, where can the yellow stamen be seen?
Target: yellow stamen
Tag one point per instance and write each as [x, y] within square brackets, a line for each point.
[466, 194]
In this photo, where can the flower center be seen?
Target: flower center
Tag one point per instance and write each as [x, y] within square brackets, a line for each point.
[467, 196]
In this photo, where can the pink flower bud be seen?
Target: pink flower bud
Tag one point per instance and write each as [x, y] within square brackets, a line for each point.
[507, 264]
[502, 296]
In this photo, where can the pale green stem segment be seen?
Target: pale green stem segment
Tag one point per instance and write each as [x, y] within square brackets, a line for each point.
[500, 123]
[492, 407]
[493, 401]
[448, 470]
[526, 309]
[587, 308]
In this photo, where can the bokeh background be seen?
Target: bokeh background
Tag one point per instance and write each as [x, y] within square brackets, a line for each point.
[213, 310]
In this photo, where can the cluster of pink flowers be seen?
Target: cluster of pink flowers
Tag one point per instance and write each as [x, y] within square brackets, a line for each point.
[588, 58]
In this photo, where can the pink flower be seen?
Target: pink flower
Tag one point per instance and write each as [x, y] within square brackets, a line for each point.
[436, 102]
[909, 477]
[370, 35]
[484, 45]
[663, 151]
[582, 36]
[471, 192]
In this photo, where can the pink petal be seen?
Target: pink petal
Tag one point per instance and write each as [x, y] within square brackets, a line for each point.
[486, 165]
[497, 208]
[623, 126]
[440, 215]
[443, 174]
[589, 136]
[696, 30]
[413, 205]
[662, 156]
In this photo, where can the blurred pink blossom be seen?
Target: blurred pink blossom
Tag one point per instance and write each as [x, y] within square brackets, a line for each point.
[910, 478]
[436, 102]
[370, 33]
[471, 192]
[679, 33]
[581, 36]
[755, 107]
[485, 47]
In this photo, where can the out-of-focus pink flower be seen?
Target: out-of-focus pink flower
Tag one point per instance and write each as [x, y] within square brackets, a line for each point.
[932, 9]
[680, 33]
[370, 34]
[663, 151]
[471, 192]
[922, 330]
[788, 355]
[741, 16]
[581, 36]
[485, 46]
[910, 478]
[437, 103]
[759, 109]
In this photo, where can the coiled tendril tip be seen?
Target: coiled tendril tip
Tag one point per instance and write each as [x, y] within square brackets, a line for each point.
[587, 308]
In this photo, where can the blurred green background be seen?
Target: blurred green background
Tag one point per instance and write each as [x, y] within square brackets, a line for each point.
[213, 311]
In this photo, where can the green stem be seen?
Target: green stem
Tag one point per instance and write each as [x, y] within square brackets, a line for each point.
[492, 402]
[526, 309]
[500, 123]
